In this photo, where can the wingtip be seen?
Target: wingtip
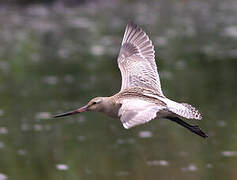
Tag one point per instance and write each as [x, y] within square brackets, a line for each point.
[203, 134]
[206, 136]
[132, 25]
[200, 132]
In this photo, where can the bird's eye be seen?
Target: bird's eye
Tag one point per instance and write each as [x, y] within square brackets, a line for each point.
[94, 103]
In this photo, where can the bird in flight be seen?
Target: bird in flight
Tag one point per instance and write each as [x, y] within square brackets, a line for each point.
[140, 98]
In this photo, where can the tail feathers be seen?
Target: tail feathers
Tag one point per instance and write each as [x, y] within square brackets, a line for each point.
[185, 110]
[192, 111]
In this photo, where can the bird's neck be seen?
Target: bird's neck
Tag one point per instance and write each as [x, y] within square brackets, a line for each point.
[110, 107]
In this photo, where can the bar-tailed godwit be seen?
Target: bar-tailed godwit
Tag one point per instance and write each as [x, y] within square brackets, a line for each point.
[140, 98]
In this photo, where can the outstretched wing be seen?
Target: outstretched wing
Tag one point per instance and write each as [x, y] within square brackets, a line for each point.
[193, 128]
[136, 111]
[136, 60]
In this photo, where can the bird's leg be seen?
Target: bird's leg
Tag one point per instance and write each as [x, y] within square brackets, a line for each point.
[193, 128]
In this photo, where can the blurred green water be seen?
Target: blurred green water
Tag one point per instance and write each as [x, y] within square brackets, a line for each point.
[53, 60]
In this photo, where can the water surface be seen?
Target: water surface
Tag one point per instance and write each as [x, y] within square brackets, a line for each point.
[53, 60]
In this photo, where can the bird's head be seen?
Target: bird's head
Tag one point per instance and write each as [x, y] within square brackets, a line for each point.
[95, 104]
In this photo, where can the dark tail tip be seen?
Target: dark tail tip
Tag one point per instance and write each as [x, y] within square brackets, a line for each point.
[197, 130]
[193, 128]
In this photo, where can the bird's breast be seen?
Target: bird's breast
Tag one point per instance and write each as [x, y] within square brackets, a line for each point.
[112, 110]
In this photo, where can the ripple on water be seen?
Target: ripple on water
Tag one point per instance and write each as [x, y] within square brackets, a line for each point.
[4, 66]
[231, 31]
[81, 138]
[145, 134]
[221, 123]
[2, 145]
[62, 167]
[180, 65]
[38, 127]
[229, 153]
[43, 115]
[166, 75]
[3, 130]
[161, 41]
[81, 119]
[97, 50]
[158, 163]
[3, 176]
[1, 112]
[209, 165]
[87, 171]
[51, 80]
[191, 167]
[80, 22]
[25, 127]
[122, 173]
[107, 40]
[126, 141]
[68, 79]
[21, 152]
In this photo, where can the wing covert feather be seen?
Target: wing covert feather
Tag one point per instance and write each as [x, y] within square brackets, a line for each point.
[136, 111]
[136, 60]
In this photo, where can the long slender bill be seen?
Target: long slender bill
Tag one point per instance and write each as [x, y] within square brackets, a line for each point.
[82, 109]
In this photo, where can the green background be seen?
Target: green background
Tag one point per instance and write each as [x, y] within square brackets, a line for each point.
[55, 58]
